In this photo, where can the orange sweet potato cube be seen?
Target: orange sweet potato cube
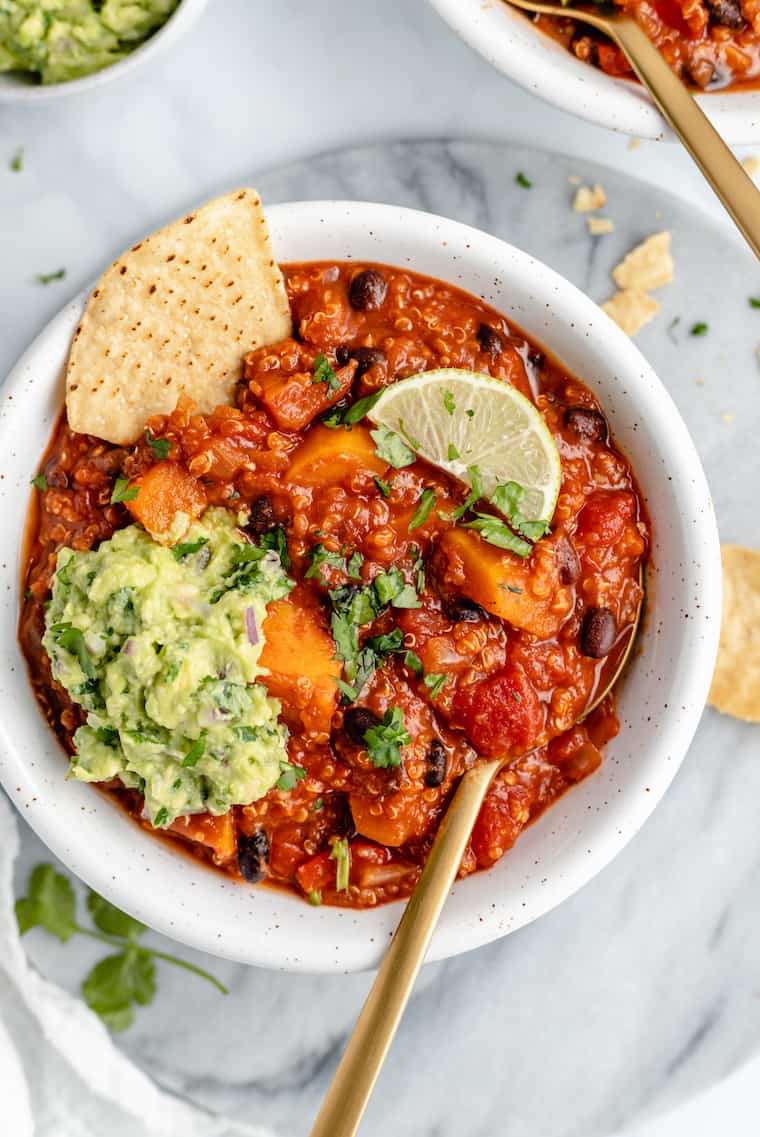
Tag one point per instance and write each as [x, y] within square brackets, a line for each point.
[329, 457]
[217, 833]
[299, 654]
[501, 582]
[163, 491]
[294, 400]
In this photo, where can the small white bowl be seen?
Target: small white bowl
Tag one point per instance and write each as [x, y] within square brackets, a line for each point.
[508, 40]
[661, 699]
[18, 87]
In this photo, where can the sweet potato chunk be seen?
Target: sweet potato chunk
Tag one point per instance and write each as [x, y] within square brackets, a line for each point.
[515, 590]
[164, 491]
[331, 456]
[299, 655]
[217, 833]
[294, 400]
[392, 827]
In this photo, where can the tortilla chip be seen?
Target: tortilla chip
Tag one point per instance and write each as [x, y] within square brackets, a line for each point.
[736, 683]
[587, 199]
[600, 225]
[174, 315]
[649, 265]
[631, 310]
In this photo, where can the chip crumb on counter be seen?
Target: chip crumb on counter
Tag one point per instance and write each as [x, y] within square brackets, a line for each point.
[574, 179]
[735, 687]
[634, 143]
[699, 382]
[728, 417]
[588, 198]
[631, 310]
[649, 265]
[751, 164]
[599, 225]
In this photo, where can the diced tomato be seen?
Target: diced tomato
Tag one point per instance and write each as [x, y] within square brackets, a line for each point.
[317, 873]
[605, 516]
[612, 60]
[286, 851]
[500, 714]
[504, 813]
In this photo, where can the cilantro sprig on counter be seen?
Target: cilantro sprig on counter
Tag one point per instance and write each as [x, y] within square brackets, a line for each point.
[119, 982]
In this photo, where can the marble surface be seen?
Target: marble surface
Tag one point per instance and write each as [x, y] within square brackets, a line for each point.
[644, 988]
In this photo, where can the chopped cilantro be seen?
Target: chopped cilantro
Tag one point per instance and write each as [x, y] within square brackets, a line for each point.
[187, 548]
[195, 753]
[323, 373]
[341, 854]
[71, 640]
[40, 482]
[754, 301]
[508, 499]
[698, 329]
[510, 588]
[385, 740]
[475, 494]
[316, 805]
[387, 643]
[413, 662]
[49, 277]
[161, 818]
[384, 487]
[315, 897]
[276, 539]
[452, 452]
[496, 532]
[246, 733]
[17, 161]
[108, 736]
[434, 681]
[448, 401]
[391, 448]
[354, 566]
[521, 180]
[161, 447]
[290, 776]
[357, 411]
[470, 412]
[322, 556]
[423, 510]
[122, 491]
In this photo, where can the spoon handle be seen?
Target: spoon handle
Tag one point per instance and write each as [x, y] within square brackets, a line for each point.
[722, 169]
[363, 1058]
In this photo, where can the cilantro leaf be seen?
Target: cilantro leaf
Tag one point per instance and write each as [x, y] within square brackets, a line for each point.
[187, 548]
[108, 736]
[290, 776]
[161, 819]
[323, 373]
[385, 740]
[434, 681]
[508, 499]
[386, 643]
[754, 301]
[122, 491]
[423, 510]
[161, 447]
[452, 453]
[196, 751]
[521, 180]
[49, 277]
[72, 640]
[496, 532]
[448, 401]
[413, 662]
[17, 161]
[384, 487]
[341, 854]
[474, 496]
[698, 329]
[391, 448]
[277, 540]
[354, 566]
[50, 904]
[112, 920]
[358, 410]
[40, 483]
[322, 556]
[119, 981]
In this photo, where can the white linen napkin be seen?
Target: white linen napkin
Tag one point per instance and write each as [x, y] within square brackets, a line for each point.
[60, 1073]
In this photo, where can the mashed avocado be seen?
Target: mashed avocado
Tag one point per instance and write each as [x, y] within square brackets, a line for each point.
[161, 647]
[65, 39]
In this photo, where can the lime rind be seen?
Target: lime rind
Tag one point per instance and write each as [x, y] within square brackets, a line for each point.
[489, 424]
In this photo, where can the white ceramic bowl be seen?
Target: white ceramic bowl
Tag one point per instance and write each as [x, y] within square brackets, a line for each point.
[660, 702]
[19, 88]
[507, 39]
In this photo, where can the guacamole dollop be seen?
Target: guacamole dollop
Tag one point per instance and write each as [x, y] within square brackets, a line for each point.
[65, 39]
[161, 647]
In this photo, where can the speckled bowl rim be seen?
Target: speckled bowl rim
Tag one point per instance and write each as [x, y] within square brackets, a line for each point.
[505, 37]
[19, 90]
[661, 699]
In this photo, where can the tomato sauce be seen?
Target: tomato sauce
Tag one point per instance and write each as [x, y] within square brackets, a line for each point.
[515, 687]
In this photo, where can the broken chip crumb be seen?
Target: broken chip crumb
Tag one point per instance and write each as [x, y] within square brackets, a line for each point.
[728, 417]
[631, 310]
[700, 382]
[649, 265]
[634, 143]
[751, 164]
[573, 179]
[588, 198]
[735, 687]
[599, 225]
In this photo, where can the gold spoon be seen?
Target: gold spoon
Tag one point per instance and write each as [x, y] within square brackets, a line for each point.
[676, 104]
[362, 1060]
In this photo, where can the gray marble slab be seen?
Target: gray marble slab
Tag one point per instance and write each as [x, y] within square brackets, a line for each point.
[643, 988]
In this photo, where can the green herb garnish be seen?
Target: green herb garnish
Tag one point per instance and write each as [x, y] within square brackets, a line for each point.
[290, 777]
[187, 548]
[391, 448]
[118, 983]
[71, 640]
[195, 753]
[448, 401]
[49, 277]
[384, 487]
[434, 681]
[475, 494]
[423, 510]
[413, 662]
[341, 854]
[385, 740]
[122, 491]
[508, 499]
[754, 301]
[315, 897]
[496, 532]
[452, 452]
[277, 540]
[323, 373]
[161, 447]
[17, 161]
[40, 483]
[521, 180]
[698, 329]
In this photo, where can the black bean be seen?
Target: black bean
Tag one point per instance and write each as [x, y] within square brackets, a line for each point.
[590, 426]
[598, 633]
[342, 355]
[726, 12]
[368, 290]
[357, 721]
[253, 856]
[436, 764]
[367, 357]
[262, 516]
[58, 479]
[462, 610]
[489, 339]
[536, 359]
[568, 561]
[343, 818]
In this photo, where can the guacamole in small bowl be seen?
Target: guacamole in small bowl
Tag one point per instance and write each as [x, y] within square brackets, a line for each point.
[59, 40]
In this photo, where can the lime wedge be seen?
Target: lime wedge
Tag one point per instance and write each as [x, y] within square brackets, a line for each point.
[458, 419]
